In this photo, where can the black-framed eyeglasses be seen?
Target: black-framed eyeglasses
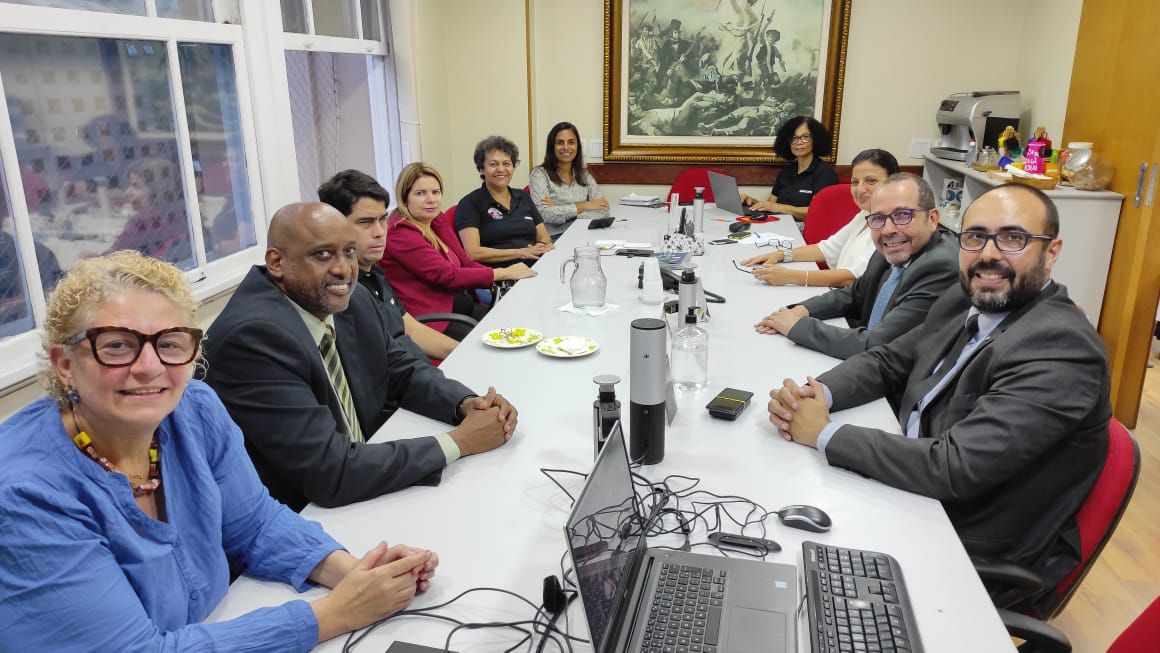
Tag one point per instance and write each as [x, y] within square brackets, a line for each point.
[745, 270]
[1005, 241]
[121, 347]
[900, 218]
[777, 243]
[802, 138]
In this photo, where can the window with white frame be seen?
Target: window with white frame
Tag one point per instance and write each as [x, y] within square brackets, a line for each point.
[129, 124]
[339, 80]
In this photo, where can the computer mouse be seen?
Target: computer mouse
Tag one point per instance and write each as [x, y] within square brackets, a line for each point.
[807, 518]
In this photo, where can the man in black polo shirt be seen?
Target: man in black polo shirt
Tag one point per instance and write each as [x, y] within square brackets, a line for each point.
[364, 202]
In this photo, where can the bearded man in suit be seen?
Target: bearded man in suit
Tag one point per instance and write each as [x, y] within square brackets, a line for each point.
[1002, 395]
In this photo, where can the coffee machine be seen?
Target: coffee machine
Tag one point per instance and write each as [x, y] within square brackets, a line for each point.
[978, 116]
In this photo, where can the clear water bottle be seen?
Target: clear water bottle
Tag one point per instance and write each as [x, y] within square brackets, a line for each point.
[699, 213]
[690, 355]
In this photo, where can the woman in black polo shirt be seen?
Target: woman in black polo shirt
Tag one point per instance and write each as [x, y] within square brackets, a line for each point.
[804, 140]
[499, 225]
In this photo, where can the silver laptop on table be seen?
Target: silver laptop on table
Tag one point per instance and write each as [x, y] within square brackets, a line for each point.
[642, 600]
[728, 197]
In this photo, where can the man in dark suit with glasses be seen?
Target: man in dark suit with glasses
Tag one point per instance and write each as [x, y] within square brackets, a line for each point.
[1002, 395]
[914, 263]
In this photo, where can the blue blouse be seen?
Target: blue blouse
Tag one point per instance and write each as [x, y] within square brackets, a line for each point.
[83, 568]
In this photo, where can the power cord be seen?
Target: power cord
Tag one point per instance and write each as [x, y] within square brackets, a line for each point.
[549, 629]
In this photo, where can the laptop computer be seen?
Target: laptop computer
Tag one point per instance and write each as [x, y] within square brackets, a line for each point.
[728, 197]
[641, 599]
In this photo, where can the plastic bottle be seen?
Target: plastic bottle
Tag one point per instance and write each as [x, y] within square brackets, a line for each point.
[690, 355]
[972, 152]
[687, 289]
[699, 214]
[652, 288]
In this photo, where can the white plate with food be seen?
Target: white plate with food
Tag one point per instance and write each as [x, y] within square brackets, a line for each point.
[567, 346]
[512, 337]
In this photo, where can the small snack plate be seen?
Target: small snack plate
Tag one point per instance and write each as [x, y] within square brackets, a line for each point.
[567, 347]
[512, 338]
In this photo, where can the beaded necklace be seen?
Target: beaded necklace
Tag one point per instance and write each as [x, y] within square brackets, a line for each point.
[85, 443]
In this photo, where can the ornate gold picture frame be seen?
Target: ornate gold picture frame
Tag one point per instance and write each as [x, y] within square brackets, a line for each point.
[711, 80]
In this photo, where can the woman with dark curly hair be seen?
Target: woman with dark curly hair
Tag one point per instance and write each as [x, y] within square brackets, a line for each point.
[497, 224]
[803, 140]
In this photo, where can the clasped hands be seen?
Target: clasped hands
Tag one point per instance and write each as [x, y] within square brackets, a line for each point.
[799, 413]
[488, 422]
[380, 584]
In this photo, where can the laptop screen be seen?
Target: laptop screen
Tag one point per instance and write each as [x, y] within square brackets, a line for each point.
[604, 534]
[726, 194]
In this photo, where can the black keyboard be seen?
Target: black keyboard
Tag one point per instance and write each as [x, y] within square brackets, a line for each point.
[685, 615]
[857, 602]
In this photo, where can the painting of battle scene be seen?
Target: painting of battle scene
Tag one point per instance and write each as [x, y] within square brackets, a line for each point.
[721, 73]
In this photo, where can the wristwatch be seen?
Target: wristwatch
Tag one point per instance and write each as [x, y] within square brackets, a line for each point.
[787, 256]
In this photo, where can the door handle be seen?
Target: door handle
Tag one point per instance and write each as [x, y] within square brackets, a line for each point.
[1152, 184]
[1140, 184]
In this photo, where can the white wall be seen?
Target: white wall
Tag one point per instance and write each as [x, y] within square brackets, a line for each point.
[472, 82]
[1046, 53]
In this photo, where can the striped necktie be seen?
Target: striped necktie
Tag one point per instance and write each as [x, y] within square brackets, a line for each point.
[338, 380]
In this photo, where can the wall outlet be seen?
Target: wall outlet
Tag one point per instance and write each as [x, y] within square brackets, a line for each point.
[919, 147]
[595, 149]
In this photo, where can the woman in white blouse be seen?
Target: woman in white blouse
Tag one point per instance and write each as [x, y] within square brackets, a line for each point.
[562, 188]
[846, 252]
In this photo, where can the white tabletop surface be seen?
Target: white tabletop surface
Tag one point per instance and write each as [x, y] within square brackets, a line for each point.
[495, 520]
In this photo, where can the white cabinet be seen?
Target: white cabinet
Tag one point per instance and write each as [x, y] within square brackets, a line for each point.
[1087, 225]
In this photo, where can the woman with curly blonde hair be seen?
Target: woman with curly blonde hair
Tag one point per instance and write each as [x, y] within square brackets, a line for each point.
[126, 497]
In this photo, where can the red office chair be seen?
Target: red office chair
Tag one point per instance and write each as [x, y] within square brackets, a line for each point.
[690, 178]
[1096, 520]
[1144, 633]
[830, 210]
[1141, 636]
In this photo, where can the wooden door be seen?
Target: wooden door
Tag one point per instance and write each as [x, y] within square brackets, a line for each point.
[1114, 102]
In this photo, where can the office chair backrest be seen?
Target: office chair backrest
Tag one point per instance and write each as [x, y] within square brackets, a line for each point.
[1101, 510]
[1143, 635]
[830, 210]
[690, 178]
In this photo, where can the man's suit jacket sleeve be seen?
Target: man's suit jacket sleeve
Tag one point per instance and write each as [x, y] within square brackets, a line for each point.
[839, 302]
[258, 371]
[992, 435]
[910, 306]
[875, 373]
[421, 387]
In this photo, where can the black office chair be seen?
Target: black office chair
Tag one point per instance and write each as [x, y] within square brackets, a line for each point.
[447, 317]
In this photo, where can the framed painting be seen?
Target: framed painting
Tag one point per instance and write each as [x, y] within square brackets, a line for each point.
[711, 80]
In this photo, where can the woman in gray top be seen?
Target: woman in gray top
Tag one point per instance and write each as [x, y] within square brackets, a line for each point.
[562, 188]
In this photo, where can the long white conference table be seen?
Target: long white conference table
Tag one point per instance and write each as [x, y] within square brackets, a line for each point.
[497, 521]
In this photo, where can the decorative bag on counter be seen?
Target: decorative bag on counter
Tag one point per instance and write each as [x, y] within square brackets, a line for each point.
[682, 243]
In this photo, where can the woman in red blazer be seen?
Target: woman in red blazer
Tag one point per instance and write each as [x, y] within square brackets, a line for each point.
[424, 260]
